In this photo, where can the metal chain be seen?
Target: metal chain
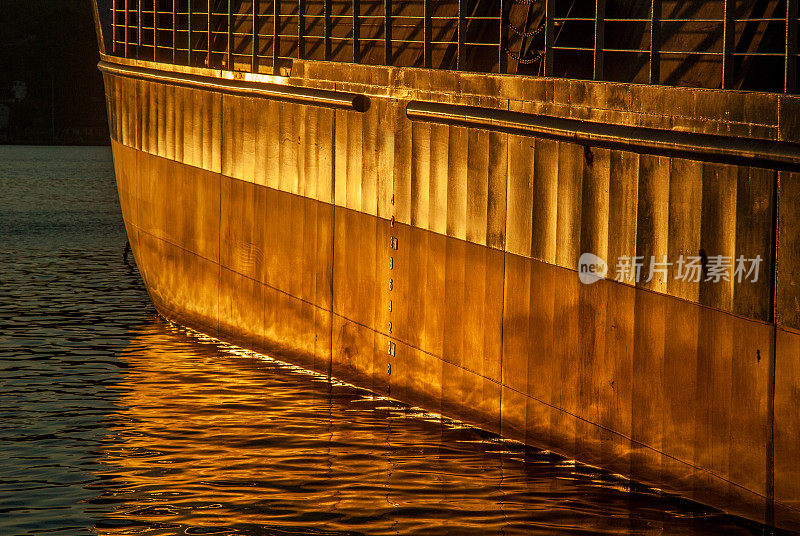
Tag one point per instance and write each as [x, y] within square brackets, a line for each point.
[522, 60]
[522, 33]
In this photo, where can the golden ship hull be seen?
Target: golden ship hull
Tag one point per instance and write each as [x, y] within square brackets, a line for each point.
[417, 232]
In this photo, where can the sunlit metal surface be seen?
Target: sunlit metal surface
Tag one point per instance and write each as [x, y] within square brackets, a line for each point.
[643, 140]
[435, 263]
[278, 91]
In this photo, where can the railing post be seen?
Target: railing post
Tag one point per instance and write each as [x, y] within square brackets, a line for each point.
[174, 31]
[790, 67]
[125, 39]
[276, 35]
[301, 29]
[549, 35]
[155, 30]
[655, 42]
[427, 31]
[255, 45]
[327, 30]
[356, 31]
[728, 42]
[138, 29]
[230, 35]
[387, 32]
[461, 60]
[502, 45]
[189, 34]
[599, 37]
[114, 27]
[210, 38]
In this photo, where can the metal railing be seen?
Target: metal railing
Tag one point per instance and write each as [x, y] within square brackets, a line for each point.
[728, 38]
[252, 34]
[732, 44]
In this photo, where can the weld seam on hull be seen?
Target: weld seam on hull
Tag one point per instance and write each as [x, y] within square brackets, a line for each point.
[445, 235]
[444, 360]
[176, 313]
[761, 152]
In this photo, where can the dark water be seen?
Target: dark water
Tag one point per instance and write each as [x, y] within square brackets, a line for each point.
[113, 421]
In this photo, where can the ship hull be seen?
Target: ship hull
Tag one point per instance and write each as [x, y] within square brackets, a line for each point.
[436, 263]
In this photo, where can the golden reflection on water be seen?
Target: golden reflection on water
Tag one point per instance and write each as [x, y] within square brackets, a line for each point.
[207, 441]
[108, 427]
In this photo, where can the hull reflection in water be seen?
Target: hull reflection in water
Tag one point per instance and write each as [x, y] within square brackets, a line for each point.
[212, 439]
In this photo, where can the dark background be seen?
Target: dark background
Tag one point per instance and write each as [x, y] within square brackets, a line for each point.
[51, 47]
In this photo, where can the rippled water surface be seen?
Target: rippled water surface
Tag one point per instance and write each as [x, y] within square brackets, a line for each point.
[113, 421]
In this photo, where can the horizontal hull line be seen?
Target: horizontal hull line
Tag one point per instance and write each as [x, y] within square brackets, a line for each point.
[757, 152]
[299, 95]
